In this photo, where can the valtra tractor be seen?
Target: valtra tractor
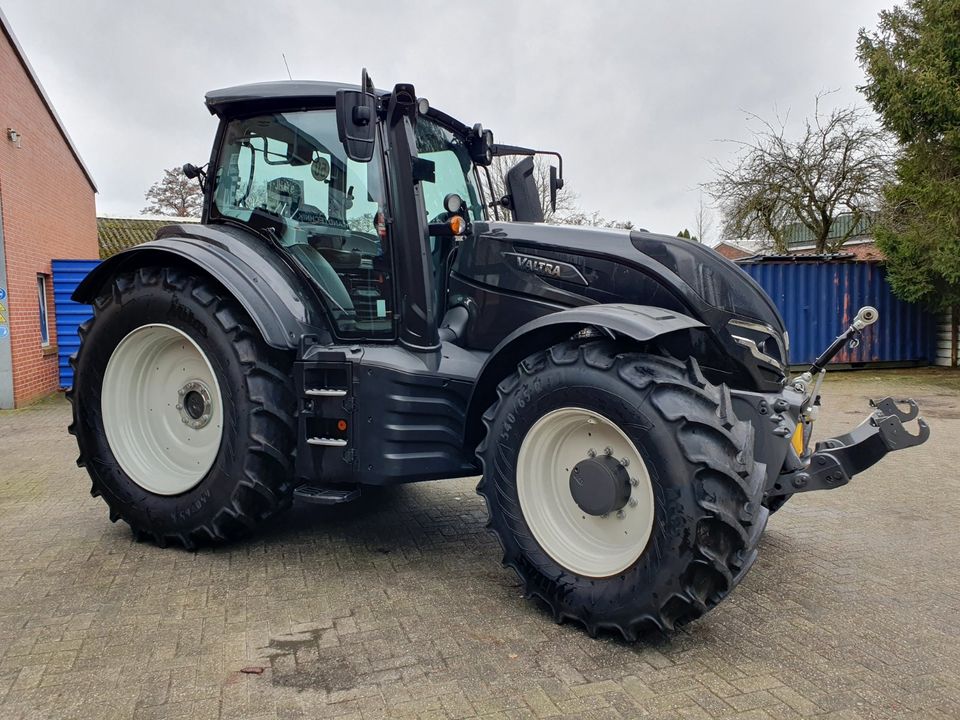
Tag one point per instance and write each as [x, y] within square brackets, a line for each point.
[354, 310]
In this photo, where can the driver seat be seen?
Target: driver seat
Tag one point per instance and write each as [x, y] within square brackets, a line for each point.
[323, 273]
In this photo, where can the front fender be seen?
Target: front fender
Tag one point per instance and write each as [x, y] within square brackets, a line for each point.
[274, 296]
[640, 323]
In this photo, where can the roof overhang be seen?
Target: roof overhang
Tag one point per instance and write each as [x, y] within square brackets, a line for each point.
[8, 31]
[250, 98]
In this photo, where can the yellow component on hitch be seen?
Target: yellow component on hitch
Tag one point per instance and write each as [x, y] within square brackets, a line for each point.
[797, 440]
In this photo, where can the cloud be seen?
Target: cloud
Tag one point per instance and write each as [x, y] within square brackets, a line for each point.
[635, 95]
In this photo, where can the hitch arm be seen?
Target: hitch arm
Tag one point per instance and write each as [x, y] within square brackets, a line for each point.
[835, 461]
[866, 316]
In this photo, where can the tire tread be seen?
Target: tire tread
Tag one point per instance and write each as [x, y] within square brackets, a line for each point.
[729, 482]
[266, 487]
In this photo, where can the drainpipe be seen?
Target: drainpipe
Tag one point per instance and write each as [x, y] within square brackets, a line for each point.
[6, 355]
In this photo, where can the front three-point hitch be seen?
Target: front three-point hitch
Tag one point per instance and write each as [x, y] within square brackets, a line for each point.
[833, 462]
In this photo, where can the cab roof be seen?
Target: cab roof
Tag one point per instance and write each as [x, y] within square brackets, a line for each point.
[243, 98]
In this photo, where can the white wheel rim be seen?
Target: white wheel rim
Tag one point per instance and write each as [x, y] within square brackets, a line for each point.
[588, 545]
[164, 438]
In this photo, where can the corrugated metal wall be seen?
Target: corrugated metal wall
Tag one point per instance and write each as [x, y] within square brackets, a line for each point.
[67, 274]
[818, 300]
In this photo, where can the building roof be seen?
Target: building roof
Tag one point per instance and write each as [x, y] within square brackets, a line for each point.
[799, 234]
[8, 31]
[731, 251]
[862, 249]
[119, 233]
[796, 258]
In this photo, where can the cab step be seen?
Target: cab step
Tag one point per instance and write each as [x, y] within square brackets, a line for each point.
[327, 442]
[320, 495]
[325, 392]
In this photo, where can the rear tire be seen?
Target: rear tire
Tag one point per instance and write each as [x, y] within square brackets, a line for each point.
[698, 456]
[206, 469]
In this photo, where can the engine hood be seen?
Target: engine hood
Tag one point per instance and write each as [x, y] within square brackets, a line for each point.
[712, 278]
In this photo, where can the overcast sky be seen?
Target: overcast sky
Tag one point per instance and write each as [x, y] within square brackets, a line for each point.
[636, 95]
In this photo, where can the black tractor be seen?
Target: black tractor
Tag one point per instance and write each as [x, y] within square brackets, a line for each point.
[354, 312]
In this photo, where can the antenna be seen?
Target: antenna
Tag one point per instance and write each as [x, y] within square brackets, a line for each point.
[284, 56]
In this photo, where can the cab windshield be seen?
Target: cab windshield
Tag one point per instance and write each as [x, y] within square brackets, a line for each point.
[288, 174]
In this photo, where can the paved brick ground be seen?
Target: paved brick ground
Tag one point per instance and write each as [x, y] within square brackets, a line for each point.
[397, 607]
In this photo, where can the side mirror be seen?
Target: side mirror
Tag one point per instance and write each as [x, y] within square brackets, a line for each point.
[556, 183]
[357, 123]
[192, 172]
[524, 200]
[357, 120]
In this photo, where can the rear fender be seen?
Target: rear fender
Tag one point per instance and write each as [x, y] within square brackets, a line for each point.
[276, 298]
[640, 323]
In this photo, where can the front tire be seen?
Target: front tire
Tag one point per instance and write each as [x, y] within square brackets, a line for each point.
[692, 510]
[182, 414]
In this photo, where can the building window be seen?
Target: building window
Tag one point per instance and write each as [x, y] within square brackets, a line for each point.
[44, 319]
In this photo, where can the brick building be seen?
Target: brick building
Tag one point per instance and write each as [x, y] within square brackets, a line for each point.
[47, 211]
[731, 251]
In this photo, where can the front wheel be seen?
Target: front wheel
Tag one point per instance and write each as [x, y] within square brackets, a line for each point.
[621, 486]
[183, 415]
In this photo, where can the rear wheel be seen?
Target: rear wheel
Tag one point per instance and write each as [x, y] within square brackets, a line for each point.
[183, 415]
[621, 486]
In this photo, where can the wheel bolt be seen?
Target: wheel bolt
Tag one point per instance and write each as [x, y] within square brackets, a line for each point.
[620, 515]
[179, 406]
[184, 420]
[608, 451]
[633, 502]
[634, 481]
[625, 462]
[591, 453]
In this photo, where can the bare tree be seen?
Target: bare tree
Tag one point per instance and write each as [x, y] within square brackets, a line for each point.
[703, 222]
[567, 212]
[174, 194]
[836, 167]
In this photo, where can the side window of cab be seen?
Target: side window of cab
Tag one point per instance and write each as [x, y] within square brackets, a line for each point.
[288, 172]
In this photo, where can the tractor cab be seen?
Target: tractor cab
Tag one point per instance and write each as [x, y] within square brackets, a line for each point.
[366, 192]
[284, 167]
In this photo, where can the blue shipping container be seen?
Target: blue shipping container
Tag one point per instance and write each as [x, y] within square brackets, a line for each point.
[67, 274]
[818, 301]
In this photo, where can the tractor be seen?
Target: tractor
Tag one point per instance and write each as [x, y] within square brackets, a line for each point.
[362, 305]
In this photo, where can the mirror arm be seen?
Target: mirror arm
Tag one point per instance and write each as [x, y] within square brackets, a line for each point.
[500, 150]
[495, 205]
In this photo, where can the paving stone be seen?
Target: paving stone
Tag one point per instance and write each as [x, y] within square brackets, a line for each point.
[397, 606]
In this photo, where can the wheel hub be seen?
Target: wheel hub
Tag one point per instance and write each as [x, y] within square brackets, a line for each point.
[600, 485]
[194, 404]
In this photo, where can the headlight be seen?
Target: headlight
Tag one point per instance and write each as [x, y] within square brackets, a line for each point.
[763, 342]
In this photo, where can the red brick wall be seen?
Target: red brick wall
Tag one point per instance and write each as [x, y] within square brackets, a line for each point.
[48, 212]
